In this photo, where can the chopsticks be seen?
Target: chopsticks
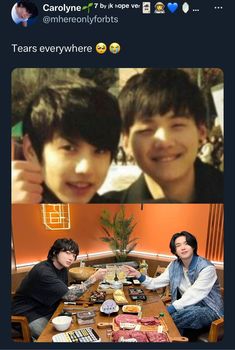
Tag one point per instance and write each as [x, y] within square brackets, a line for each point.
[80, 308]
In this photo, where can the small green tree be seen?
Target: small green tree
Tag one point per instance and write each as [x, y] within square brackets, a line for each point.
[117, 231]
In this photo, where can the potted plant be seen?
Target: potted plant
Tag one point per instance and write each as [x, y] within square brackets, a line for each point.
[117, 231]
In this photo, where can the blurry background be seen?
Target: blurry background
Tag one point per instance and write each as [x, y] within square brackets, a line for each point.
[124, 171]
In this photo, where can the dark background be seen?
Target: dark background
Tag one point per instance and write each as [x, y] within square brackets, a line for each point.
[204, 39]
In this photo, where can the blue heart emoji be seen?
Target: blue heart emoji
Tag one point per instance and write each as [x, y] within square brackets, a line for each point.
[172, 7]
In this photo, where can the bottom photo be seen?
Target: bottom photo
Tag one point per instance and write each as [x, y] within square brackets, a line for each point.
[117, 273]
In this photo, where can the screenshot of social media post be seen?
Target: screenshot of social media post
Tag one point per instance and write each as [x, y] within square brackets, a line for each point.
[117, 206]
[117, 196]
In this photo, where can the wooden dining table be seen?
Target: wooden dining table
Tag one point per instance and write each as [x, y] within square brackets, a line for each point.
[153, 306]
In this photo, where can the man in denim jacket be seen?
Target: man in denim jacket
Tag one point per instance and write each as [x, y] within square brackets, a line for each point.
[196, 300]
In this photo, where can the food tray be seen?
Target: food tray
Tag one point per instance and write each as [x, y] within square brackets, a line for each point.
[131, 309]
[142, 328]
[136, 293]
[161, 328]
[107, 290]
[98, 297]
[85, 315]
[147, 336]
[119, 297]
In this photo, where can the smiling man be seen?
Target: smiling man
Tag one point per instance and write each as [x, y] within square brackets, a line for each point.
[46, 284]
[22, 11]
[164, 117]
[196, 300]
[71, 133]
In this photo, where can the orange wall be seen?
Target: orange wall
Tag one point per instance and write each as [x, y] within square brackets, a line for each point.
[155, 225]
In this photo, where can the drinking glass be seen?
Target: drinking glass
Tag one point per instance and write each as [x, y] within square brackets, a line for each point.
[121, 274]
[139, 303]
[110, 273]
[109, 333]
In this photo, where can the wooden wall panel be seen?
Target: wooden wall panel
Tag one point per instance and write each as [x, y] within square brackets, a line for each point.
[215, 234]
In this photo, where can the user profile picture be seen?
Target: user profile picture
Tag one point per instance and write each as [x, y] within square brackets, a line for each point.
[24, 13]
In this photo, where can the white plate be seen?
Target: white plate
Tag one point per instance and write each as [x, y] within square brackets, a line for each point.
[109, 305]
[104, 286]
[116, 310]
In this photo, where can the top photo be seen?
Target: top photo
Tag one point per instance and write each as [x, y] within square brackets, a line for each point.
[117, 135]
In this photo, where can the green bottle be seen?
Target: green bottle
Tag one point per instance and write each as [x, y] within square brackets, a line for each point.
[143, 267]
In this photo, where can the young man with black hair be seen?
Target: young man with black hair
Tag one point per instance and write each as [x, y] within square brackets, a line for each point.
[196, 300]
[164, 123]
[71, 133]
[47, 283]
[22, 11]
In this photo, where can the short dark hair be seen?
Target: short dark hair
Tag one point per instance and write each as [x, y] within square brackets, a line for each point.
[31, 8]
[73, 111]
[158, 91]
[190, 239]
[63, 245]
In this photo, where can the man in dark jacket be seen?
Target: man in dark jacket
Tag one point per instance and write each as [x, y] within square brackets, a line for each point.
[164, 123]
[46, 284]
[70, 136]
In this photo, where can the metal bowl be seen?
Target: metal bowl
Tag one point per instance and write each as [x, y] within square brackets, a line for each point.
[81, 273]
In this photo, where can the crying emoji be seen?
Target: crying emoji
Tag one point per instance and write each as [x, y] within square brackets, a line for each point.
[114, 48]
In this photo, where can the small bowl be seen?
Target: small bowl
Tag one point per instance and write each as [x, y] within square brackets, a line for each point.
[61, 323]
[117, 285]
[66, 313]
[104, 286]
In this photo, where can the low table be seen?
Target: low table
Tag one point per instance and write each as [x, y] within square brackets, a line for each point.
[153, 306]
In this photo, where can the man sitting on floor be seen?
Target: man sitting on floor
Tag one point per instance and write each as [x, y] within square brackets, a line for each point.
[46, 284]
[196, 300]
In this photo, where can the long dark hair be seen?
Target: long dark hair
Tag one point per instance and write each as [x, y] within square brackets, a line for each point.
[63, 245]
